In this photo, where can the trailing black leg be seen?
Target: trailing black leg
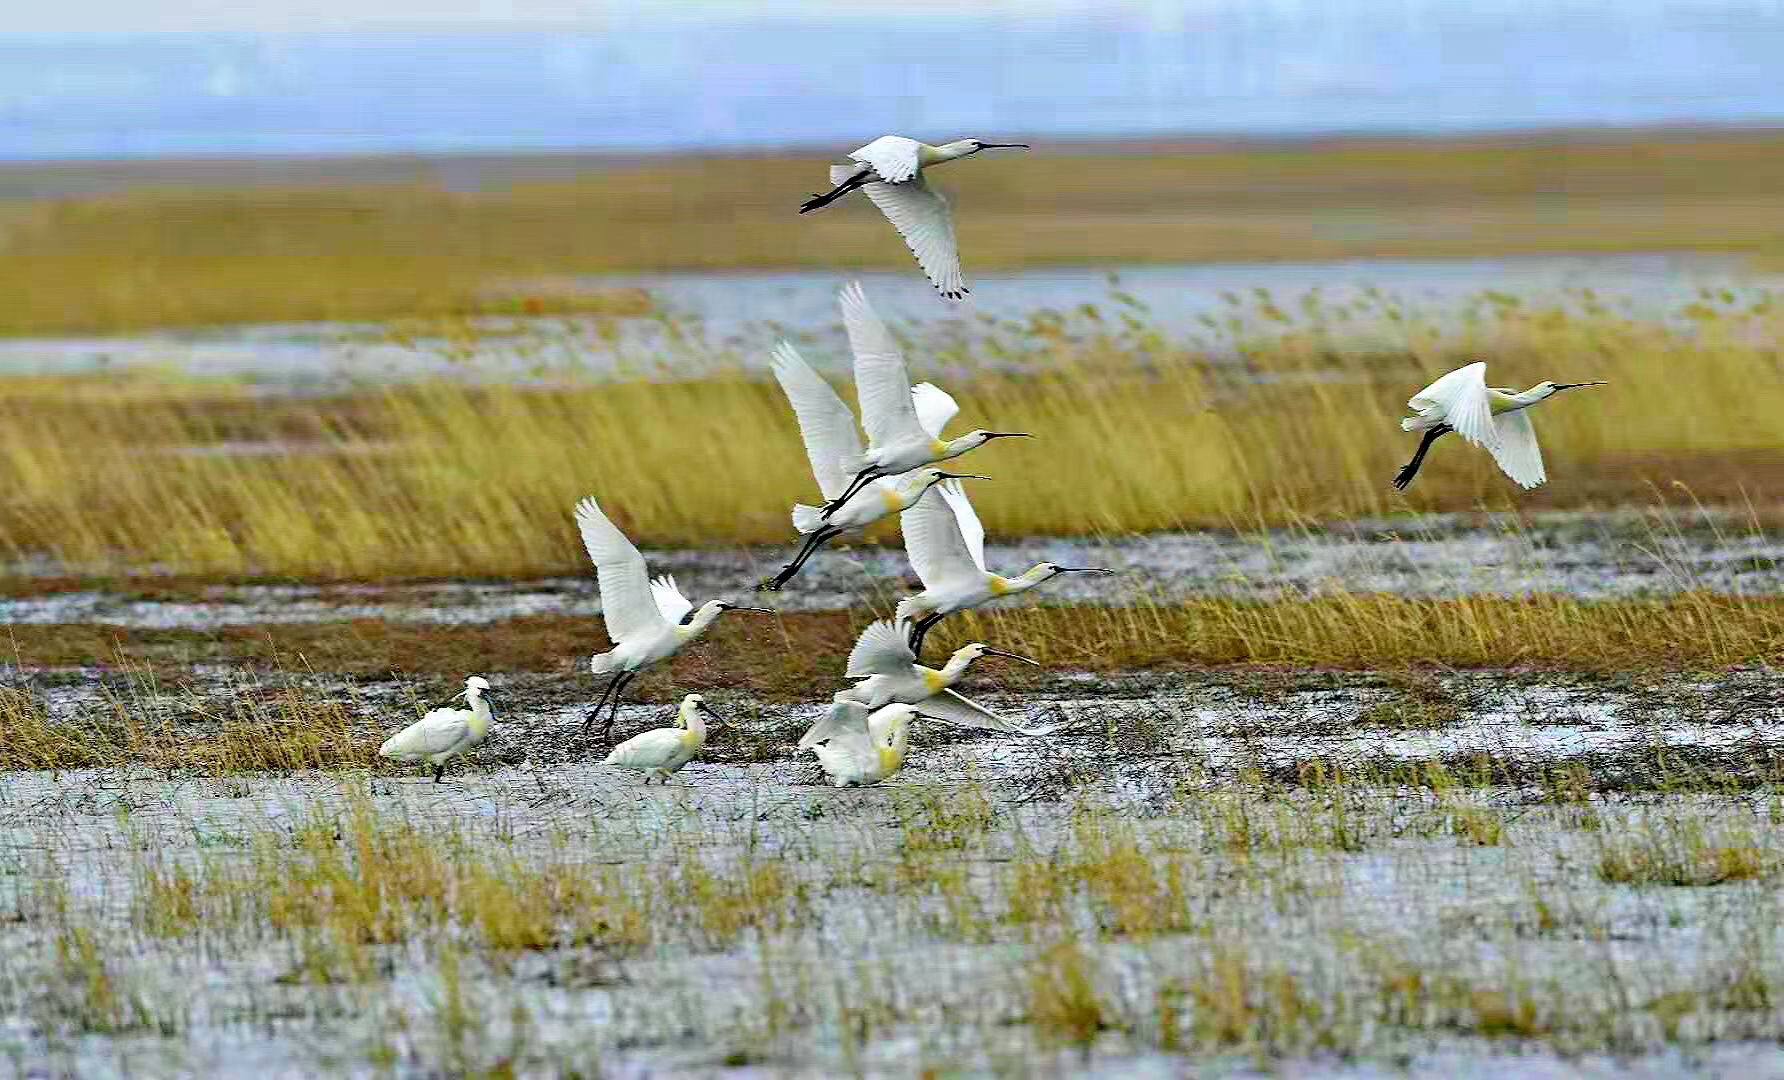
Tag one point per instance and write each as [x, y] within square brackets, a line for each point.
[862, 479]
[439, 771]
[813, 542]
[1412, 467]
[919, 630]
[835, 193]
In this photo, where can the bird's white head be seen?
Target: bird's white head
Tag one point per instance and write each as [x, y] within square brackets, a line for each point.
[1043, 571]
[694, 712]
[979, 437]
[978, 649]
[476, 684]
[960, 148]
[920, 480]
[1549, 389]
[712, 609]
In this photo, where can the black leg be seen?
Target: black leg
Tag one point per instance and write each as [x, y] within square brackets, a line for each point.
[1412, 467]
[812, 543]
[594, 714]
[862, 479]
[613, 716]
[439, 771]
[835, 193]
[920, 630]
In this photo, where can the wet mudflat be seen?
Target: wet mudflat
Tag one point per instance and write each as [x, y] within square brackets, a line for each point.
[1585, 555]
[1342, 874]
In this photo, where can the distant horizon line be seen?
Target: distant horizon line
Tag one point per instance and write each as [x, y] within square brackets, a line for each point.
[1117, 142]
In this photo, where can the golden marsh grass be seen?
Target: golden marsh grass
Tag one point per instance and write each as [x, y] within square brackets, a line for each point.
[1139, 432]
[190, 243]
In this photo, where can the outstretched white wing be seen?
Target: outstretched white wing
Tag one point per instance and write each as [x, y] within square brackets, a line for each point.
[972, 530]
[881, 381]
[670, 602]
[921, 215]
[935, 407]
[933, 541]
[626, 603]
[1517, 453]
[893, 157]
[844, 719]
[956, 709]
[435, 733]
[882, 649]
[1460, 400]
[825, 423]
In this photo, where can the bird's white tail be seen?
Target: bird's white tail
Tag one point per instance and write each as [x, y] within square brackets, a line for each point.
[807, 519]
[910, 609]
[612, 758]
[602, 663]
[1412, 423]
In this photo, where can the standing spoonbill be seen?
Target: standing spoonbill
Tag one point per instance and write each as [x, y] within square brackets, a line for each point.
[887, 671]
[862, 748]
[828, 429]
[904, 422]
[663, 751]
[946, 545]
[891, 168]
[1487, 416]
[444, 733]
[648, 621]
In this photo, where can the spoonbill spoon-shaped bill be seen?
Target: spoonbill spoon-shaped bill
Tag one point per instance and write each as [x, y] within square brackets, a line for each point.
[890, 170]
[863, 747]
[648, 621]
[828, 429]
[1490, 417]
[444, 733]
[887, 671]
[662, 752]
[945, 542]
[904, 423]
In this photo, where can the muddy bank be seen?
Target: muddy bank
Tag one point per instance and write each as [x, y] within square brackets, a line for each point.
[1584, 555]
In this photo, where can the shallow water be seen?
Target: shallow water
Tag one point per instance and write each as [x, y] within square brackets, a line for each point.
[942, 982]
[1586, 555]
[736, 317]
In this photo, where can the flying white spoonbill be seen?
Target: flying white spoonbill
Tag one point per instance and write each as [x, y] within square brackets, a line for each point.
[887, 671]
[890, 168]
[648, 621]
[828, 429]
[1488, 416]
[862, 748]
[946, 545]
[904, 422]
[444, 733]
[663, 751]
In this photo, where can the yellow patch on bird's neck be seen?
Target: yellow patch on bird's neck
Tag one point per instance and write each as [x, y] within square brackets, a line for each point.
[938, 447]
[1000, 585]
[891, 757]
[891, 499]
[934, 681]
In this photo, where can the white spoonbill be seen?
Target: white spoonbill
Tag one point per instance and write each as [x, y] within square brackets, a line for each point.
[444, 733]
[1487, 416]
[828, 429]
[904, 422]
[648, 621]
[891, 168]
[663, 751]
[862, 748]
[946, 545]
[887, 671]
